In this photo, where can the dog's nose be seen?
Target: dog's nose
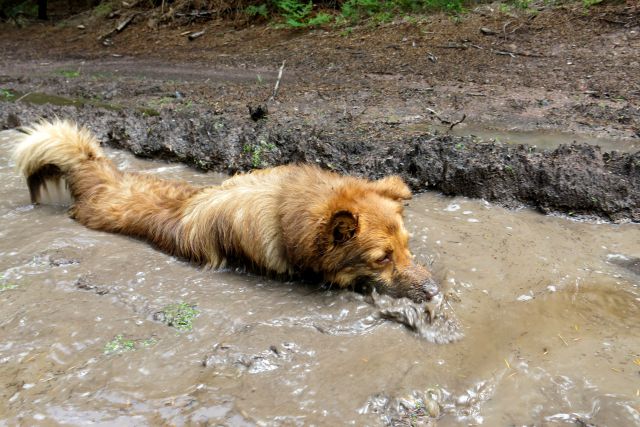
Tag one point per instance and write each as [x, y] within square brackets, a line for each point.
[430, 289]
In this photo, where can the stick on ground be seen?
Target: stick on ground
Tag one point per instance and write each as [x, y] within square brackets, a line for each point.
[277, 85]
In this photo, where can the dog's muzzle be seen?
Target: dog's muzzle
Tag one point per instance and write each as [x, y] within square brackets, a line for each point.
[430, 289]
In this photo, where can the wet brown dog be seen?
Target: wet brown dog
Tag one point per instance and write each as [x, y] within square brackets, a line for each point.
[288, 220]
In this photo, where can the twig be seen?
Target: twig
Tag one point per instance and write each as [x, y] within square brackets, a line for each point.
[23, 96]
[118, 28]
[260, 111]
[196, 13]
[514, 54]
[453, 46]
[504, 52]
[504, 28]
[194, 36]
[123, 24]
[437, 116]
[563, 340]
[464, 116]
[464, 45]
[277, 85]
[29, 93]
[445, 121]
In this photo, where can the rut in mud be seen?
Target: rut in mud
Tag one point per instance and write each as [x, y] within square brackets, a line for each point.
[577, 179]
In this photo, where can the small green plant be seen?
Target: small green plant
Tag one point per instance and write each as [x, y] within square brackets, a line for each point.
[410, 19]
[179, 316]
[382, 17]
[119, 345]
[69, 74]
[297, 14]
[103, 9]
[257, 10]
[383, 11]
[185, 106]
[355, 10]
[294, 12]
[504, 8]
[256, 152]
[588, 3]
[19, 10]
[7, 286]
[149, 112]
[149, 342]
[6, 95]
[522, 4]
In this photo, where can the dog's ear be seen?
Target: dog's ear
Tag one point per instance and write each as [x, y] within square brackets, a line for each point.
[392, 187]
[343, 227]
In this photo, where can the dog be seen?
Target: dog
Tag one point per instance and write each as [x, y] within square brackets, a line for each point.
[292, 220]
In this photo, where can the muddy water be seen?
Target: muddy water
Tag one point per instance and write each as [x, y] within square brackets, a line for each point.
[548, 309]
[545, 140]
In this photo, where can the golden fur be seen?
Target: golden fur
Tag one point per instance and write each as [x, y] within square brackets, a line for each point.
[293, 219]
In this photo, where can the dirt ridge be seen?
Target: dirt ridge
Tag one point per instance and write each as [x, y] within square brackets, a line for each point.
[571, 179]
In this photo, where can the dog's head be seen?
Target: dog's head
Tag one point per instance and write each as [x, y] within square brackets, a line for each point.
[364, 241]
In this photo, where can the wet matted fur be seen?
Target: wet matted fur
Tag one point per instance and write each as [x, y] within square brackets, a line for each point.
[287, 220]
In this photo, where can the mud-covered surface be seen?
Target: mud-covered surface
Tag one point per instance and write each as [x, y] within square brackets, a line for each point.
[537, 321]
[536, 325]
[365, 100]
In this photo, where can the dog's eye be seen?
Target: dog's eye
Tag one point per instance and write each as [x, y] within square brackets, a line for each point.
[384, 259]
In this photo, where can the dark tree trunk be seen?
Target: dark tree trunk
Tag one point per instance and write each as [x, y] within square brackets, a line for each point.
[42, 9]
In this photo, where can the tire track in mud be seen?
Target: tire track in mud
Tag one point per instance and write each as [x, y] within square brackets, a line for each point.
[577, 179]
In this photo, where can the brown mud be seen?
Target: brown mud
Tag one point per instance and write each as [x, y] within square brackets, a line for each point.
[536, 325]
[367, 100]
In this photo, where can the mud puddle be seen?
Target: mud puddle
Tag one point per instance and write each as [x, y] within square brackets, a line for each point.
[547, 309]
[543, 139]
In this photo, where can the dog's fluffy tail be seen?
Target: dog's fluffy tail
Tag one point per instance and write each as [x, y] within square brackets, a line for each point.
[53, 150]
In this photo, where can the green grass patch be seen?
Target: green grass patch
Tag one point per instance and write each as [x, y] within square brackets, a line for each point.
[306, 14]
[103, 9]
[69, 74]
[120, 344]
[256, 151]
[7, 286]
[588, 3]
[7, 95]
[255, 11]
[296, 14]
[179, 316]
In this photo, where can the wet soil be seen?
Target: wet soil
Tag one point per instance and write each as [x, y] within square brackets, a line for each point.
[537, 326]
[366, 100]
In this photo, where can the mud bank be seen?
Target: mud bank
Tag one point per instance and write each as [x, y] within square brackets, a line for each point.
[574, 180]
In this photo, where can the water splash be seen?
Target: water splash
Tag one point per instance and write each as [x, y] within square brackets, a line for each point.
[433, 320]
